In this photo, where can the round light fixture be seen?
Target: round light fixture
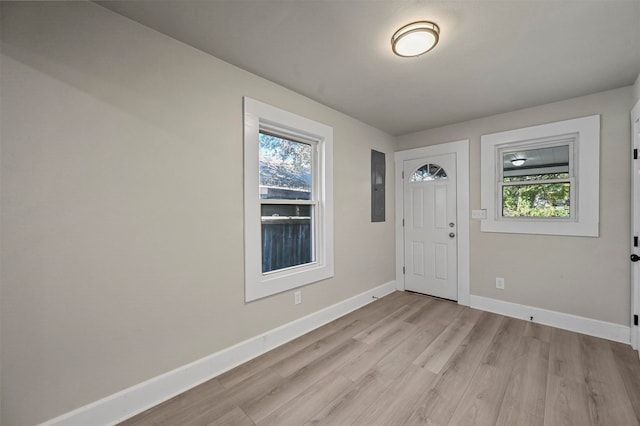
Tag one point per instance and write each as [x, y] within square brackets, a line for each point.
[518, 161]
[415, 39]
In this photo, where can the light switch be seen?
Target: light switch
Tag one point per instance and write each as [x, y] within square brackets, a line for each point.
[478, 214]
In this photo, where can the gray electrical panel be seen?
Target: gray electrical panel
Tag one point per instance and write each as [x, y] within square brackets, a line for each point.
[377, 186]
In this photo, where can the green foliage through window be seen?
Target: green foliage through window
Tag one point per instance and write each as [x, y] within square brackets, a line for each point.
[285, 168]
[537, 200]
[528, 178]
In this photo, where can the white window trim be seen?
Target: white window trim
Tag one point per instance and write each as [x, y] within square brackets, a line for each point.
[257, 116]
[586, 164]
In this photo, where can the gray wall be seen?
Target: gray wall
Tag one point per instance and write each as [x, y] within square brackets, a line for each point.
[582, 276]
[122, 226]
[636, 90]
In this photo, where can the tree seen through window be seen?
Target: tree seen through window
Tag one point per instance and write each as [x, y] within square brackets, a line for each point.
[285, 175]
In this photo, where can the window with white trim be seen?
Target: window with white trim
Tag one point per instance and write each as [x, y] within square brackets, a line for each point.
[536, 180]
[288, 189]
[543, 179]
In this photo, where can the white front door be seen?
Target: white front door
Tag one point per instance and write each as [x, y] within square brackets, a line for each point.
[430, 226]
[635, 207]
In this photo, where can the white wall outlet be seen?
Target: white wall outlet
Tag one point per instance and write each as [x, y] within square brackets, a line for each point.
[500, 283]
[297, 297]
[479, 214]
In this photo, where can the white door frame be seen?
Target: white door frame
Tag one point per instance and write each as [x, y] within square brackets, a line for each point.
[635, 220]
[461, 149]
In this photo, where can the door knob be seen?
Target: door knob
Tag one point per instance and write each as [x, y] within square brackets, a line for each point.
[451, 235]
[635, 257]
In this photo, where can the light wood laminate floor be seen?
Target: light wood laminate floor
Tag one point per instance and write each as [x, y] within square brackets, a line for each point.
[408, 359]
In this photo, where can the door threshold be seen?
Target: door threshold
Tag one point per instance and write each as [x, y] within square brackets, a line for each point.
[429, 295]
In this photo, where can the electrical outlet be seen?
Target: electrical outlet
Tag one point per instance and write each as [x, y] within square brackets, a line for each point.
[297, 297]
[500, 283]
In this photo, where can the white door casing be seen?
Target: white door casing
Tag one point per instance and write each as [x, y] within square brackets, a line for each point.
[635, 217]
[461, 150]
[430, 227]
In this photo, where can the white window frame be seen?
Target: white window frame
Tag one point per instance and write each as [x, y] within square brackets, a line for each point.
[569, 142]
[583, 137]
[260, 116]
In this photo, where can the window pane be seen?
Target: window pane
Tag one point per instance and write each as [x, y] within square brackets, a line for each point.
[287, 237]
[428, 172]
[285, 168]
[539, 200]
[536, 164]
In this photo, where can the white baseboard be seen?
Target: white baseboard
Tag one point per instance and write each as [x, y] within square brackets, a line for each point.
[136, 399]
[592, 327]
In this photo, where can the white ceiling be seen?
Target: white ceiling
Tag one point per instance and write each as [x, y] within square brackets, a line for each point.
[493, 56]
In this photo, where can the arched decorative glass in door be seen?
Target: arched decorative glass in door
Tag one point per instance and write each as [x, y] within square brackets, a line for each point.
[428, 172]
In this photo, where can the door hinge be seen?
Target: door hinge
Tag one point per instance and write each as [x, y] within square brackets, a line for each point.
[403, 174]
[403, 274]
[635, 241]
[403, 224]
[635, 320]
[635, 154]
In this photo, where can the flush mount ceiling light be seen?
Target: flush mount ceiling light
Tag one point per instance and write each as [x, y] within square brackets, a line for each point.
[518, 161]
[415, 38]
